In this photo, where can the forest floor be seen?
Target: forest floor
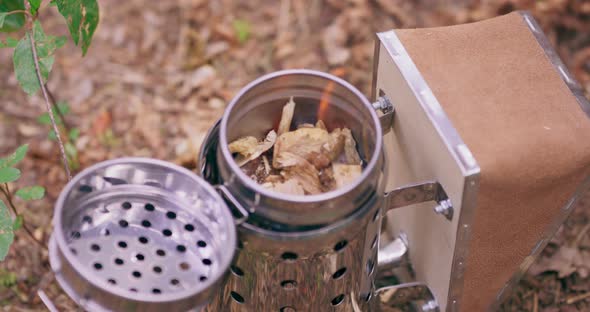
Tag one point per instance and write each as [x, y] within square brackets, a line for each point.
[159, 73]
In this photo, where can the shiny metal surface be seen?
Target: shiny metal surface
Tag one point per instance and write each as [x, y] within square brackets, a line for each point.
[137, 234]
[257, 108]
[300, 253]
[442, 156]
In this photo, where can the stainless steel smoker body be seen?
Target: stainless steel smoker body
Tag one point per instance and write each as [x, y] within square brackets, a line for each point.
[300, 253]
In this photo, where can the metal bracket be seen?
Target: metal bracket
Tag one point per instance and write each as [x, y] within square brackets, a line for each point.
[419, 193]
[383, 104]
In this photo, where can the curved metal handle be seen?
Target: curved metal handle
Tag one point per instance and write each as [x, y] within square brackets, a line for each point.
[233, 201]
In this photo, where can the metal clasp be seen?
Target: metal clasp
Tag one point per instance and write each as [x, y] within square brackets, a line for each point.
[419, 193]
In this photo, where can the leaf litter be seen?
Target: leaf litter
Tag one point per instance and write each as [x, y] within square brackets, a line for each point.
[308, 160]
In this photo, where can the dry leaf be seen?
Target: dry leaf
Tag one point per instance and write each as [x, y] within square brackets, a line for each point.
[286, 117]
[248, 151]
[350, 152]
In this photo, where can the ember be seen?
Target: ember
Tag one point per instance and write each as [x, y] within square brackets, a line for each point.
[308, 160]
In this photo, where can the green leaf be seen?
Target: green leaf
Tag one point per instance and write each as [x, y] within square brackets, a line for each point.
[6, 230]
[15, 157]
[12, 22]
[10, 43]
[31, 192]
[34, 6]
[242, 30]
[24, 64]
[9, 174]
[63, 108]
[2, 17]
[82, 19]
[74, 134]
[51, 135]
[18, 223]
[70, 150]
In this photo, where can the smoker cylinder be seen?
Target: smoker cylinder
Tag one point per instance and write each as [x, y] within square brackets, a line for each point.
[300, 253]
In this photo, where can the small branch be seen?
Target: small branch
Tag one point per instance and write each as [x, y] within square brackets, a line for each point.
[48, 107]
[6, 191]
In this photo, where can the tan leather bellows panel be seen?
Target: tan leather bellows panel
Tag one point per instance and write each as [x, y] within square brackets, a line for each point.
[528, 133]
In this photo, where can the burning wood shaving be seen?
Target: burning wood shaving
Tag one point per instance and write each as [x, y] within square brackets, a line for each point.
[308, 160]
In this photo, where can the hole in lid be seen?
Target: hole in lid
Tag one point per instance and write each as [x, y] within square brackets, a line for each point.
[157, 269]
[112, 281]
[123, 223]
[74, 251]
[114, 181]
[87, 219]
[207, 261]
[237, 297]
[287, 309]
[95, 247]
[374, 242]
[122, 244]
[202, 244]
[146, 223]
[171, 215]
[338, 274]
[167, 232]
[75, 235]
[202, 278]
[143, 239]
[181, 248]
[133, 289]
[97, 266]
[289, 284]
[153, 183]
[139, 257]
[160, 252]
[136, 274]
[289, 256]
[376, 215]
[340, 245]
[337, 300]
[149, 207]
[236, 270]
[184, 266]
[105, 232]
[126, 205]
[189, 227]
[156, 291]
[85, 188]
[119, 261]
[370, 266]
[174, 281]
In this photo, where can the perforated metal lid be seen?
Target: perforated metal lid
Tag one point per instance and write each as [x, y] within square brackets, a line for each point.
[142, 235]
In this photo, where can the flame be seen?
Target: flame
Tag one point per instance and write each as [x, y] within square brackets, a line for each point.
[327, 94]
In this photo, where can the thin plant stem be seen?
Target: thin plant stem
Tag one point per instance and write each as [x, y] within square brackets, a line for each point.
[48, 107]
[6, 191]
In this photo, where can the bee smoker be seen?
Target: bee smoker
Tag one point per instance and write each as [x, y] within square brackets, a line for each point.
[454, 138]
[475, 150]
